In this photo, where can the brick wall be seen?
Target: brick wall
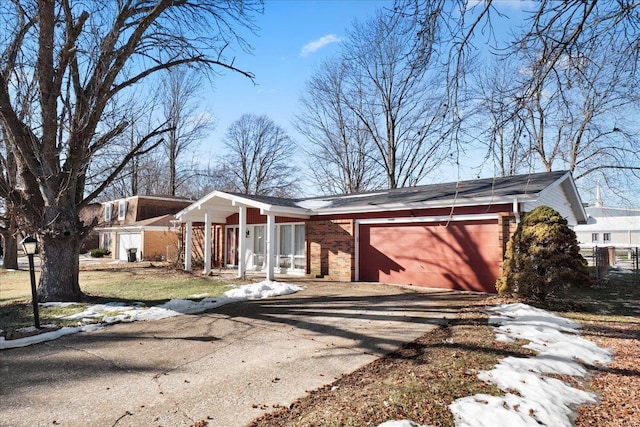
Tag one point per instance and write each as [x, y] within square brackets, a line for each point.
[156, 243]
[330, 249]
[506, 227]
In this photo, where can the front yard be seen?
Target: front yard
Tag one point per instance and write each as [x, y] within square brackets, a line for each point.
[142, 286]
[420, 380]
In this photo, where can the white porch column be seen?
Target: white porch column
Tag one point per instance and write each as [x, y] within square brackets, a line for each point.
[188, 238]
[207, 242]
[242, 244]
[271, 245]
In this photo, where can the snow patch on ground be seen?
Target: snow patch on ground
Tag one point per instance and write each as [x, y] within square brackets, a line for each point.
[96, 316]
[540, 399]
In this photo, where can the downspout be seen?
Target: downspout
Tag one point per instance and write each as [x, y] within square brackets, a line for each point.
[516, 210]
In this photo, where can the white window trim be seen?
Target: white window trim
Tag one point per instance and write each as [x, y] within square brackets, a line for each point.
[108, 211]
[292, 256]
[122, 210]
[277, 254]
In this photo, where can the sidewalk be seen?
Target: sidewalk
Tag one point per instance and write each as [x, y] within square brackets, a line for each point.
[224, 367]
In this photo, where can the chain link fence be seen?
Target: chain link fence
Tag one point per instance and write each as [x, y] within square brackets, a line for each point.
[621, 258]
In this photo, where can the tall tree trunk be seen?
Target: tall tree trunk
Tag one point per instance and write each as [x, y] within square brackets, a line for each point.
[60, 262]
[10, 254]
[60, 253]
[10, 242]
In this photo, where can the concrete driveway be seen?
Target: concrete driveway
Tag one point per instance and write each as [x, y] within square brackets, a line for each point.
[225, 367]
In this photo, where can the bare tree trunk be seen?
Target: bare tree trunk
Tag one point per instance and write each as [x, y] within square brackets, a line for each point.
[10, 254]
[173, 148]
[9, 240]
[59, 248]
[60, 257]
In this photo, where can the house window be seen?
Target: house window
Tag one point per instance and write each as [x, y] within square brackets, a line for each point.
[595, 238]
[285, 247]
[108, 209]
[122, 210]
[606, 237]
[258, 246]
[291, 246]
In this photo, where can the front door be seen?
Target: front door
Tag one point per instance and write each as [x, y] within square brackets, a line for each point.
[232, 246]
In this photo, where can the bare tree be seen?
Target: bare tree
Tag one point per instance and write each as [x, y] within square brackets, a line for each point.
[8, 216]
[10, 219]
[581, 60]
[579, 112]
[87, 59]
[341, 154]
[397, 98]
[503, 131]
[259, 159]
[188, 124]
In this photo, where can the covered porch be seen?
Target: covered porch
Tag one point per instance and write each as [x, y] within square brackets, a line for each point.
[217, 207]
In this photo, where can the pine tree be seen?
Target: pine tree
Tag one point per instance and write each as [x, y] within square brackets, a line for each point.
[543, 258]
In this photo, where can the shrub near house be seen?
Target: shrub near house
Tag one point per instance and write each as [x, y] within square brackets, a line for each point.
[543, 258]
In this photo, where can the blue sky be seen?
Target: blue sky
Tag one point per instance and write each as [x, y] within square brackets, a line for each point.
[294, 37]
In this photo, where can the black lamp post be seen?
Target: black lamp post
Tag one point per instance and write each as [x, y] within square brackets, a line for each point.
[30, 246]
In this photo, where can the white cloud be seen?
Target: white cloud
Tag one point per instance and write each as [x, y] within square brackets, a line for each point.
[319, 44]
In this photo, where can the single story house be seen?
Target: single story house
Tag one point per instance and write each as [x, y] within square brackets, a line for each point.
[140, 227]
[450, 235]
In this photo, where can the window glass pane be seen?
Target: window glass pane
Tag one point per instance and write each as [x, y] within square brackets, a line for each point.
[122, 210]
[232, 253]
[299, 240]
[258, 239]
[606, 237]
[258, 246]
[594, 237]
[285, 240]
[299, 262]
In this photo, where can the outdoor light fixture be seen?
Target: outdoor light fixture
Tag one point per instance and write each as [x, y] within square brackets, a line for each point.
[30, 246]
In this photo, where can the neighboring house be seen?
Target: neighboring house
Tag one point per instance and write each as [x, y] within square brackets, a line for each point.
[140, 225]
[618, 227]
[449, 235]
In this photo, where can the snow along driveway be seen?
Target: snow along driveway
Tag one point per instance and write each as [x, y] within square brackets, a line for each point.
[225, 366]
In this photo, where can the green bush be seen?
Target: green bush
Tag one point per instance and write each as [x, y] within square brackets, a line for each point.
[542, 258]
[99, 253]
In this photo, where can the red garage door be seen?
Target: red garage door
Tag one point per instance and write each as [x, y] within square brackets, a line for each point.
[462, 255]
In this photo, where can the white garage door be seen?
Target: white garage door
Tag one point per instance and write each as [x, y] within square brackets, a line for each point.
[128, 241]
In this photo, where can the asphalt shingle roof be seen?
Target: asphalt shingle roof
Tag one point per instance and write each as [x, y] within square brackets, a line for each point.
[473, 189]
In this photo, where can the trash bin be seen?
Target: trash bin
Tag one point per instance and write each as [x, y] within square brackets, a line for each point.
[131, 254]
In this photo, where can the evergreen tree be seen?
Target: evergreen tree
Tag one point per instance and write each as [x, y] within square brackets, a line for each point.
[543, 258]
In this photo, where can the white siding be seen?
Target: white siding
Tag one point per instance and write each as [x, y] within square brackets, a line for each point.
[128, 241]
[556, 198]
[623, 230]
